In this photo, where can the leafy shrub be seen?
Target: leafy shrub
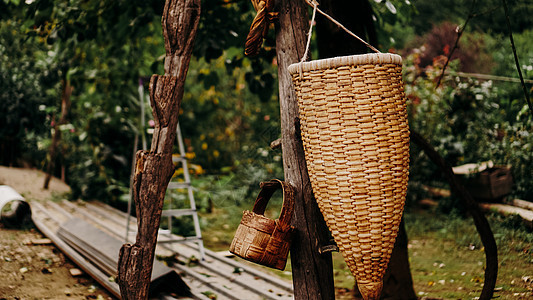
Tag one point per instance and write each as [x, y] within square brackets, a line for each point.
[439, 43]
[28, 85]
[468, 120]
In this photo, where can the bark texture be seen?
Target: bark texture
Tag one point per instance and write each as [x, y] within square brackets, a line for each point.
[312, 271]
[154, 168]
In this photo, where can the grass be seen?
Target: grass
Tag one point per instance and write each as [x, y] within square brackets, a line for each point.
[446, 256]
[447, 259]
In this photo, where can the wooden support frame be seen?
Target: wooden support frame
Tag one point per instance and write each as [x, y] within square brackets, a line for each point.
[312, 271]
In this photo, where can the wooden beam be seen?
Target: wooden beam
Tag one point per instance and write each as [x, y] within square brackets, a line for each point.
[72, 254]
[523, 204]
[154, 168]
[504, 209]
[312, 271]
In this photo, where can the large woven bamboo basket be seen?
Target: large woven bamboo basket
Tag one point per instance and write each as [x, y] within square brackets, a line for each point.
[356, 139]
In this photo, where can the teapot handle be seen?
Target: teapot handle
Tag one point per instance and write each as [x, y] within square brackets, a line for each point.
[267, 189]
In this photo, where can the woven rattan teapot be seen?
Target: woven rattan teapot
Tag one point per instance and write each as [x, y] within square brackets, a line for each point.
[263, 240]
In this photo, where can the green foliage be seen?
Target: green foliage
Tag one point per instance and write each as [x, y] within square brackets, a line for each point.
[469, 120]
[224, 25]
[222, 118]
[439, 43]
[229, 112]
[102, 53]
[489, 16]
[103, 48]
[393, 21]
[500, 47]
[28, 86]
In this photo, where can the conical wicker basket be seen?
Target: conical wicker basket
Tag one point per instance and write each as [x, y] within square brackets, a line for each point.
[356, 139]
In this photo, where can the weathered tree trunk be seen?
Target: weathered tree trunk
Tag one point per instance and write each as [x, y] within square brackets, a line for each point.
[333, 41]
[154, 168]
[56, 138]
[398, 282]
[312, 271]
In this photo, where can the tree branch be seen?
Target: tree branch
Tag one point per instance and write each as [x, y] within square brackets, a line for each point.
[526, 93]
[154, 168]
[481, 223]
[456, 45]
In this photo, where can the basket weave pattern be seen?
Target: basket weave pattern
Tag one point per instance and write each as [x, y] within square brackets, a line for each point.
[263, 240]
[257, 241]
[356, 140]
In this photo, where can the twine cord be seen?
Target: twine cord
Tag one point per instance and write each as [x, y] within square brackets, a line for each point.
[310, 33]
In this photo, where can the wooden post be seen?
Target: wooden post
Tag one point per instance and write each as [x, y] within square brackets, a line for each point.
[56, 138]
[154, 168]
[312, 271]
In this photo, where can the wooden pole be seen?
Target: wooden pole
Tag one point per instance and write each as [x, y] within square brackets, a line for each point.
[56, 138]
[154, 168]
[312, 271]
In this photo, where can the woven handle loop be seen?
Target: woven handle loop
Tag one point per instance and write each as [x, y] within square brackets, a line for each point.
[260, 25]
[267, 190]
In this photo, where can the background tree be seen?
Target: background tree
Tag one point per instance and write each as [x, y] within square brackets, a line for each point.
[28, 84]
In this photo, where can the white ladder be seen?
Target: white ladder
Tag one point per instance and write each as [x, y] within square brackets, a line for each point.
[191, 211]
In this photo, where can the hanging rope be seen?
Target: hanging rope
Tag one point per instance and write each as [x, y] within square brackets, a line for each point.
[310, 33]
[260, 25]
[314, 4]
[265, 16]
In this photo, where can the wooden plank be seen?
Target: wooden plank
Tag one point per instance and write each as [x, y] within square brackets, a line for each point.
[525, 214]
[85, 265]
[523, 204]
[98, 249]
[250, 284]
[118, 217]
[472, 168]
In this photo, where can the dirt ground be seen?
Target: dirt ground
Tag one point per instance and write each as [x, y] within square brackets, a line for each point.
[33, 268]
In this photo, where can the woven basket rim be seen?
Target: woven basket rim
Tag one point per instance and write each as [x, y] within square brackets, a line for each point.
[351, 60]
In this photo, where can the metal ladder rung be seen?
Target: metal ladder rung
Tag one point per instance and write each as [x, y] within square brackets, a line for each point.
[179, 158]
[181, 240]
[186, 184]
[177, 212]
[178, 185]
